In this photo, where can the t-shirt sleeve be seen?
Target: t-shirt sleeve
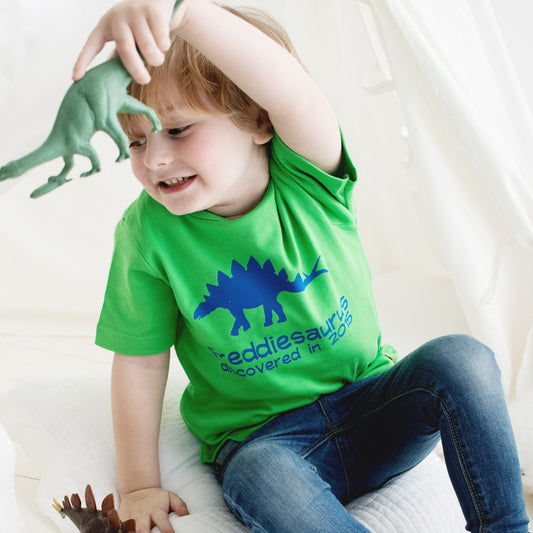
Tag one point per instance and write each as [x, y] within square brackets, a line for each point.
[139, 314]
[311, 178]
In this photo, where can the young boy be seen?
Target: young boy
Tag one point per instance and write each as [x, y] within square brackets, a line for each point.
[242, 252]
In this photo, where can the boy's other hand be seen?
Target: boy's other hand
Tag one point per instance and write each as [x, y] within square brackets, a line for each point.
[140, 29]
[151, 507]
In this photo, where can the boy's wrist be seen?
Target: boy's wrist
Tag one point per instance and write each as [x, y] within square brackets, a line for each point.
[124, 489]
[191, 10]
[145, 477]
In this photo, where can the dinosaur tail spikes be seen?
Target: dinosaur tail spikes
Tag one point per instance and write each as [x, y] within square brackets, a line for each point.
[316, 264]
[57, 506]
[108, 503]
[308, 278]
[316, 272]
[90, 519]
[298, 281]
[129, 526]
[89, 499]
[66, 504]
[76, 501]
[114, 520]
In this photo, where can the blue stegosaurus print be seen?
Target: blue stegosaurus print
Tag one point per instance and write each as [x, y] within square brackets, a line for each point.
[250, 287]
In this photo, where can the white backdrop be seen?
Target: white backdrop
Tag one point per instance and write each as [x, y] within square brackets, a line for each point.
[470, 130]
[426, 208]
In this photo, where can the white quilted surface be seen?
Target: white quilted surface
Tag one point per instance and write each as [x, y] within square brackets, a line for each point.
[71, 432]
[8, 505]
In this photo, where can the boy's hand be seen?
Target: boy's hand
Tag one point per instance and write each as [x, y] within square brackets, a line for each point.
[150, 507]
[140, 29]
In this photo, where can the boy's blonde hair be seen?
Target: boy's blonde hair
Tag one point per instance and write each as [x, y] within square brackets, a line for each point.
[201, 85]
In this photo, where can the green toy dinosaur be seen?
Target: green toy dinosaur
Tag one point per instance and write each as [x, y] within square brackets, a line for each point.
[90, 104]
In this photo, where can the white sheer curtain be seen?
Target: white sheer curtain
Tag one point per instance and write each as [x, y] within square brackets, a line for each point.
[470, 134]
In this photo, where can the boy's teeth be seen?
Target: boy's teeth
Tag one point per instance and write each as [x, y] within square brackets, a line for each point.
[175, 181]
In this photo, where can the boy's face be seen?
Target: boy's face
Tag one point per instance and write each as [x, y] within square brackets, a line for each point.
[202, 161]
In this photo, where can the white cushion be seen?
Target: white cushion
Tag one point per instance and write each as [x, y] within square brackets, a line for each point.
[8, 505]
[67, 423]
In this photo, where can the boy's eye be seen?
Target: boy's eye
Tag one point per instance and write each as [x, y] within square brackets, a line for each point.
[137, 143]
[176, 131]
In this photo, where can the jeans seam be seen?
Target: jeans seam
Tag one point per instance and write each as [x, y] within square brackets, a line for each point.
[238, 509]
[457, 443]
[455, 434]
[462, 461]
[311, 448]
[332, 434]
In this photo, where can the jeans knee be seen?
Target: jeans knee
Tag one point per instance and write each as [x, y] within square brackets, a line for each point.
[257, 468]
[267, 487]
[467, 350]
[462, 359]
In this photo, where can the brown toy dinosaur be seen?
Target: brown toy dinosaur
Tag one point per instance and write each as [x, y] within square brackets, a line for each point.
[90, 519]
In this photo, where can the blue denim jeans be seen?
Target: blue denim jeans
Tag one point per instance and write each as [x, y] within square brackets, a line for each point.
[296, 473]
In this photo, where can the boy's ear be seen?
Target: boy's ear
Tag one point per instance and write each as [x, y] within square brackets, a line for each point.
[262, 138]
[265, 129]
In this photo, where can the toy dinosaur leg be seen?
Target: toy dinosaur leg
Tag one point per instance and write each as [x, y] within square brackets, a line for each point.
[88, 151]
[131, 105]
[55, 181]
[113, 129]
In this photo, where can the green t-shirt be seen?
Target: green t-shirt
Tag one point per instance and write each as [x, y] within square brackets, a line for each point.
[266, 312]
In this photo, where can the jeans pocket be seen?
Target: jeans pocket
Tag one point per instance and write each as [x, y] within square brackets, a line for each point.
[223, 457]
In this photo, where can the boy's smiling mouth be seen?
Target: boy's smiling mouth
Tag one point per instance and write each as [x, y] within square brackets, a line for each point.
[175, 184]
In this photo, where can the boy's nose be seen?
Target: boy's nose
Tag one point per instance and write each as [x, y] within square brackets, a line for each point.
[158, 152]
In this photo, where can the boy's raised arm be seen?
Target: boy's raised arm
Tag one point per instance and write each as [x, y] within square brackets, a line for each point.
[270, 75]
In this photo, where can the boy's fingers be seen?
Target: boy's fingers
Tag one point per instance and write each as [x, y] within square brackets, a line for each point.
[178, 505]
[138, 37]
[130, 57]
[162, 521]
[90, 50]
[143, 525]
[159, 29]
[147, 44]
